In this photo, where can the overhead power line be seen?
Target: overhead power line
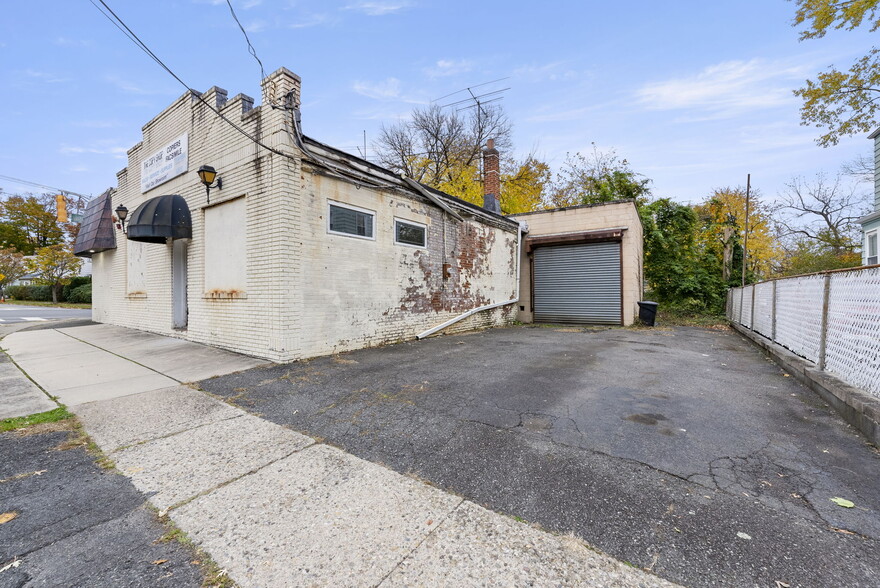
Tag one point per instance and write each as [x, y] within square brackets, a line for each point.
[251, 49]
[126, 30]
[43, 186]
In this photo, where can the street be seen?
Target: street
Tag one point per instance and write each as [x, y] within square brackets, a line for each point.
[21, 313]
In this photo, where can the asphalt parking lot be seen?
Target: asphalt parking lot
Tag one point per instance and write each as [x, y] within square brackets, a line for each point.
[684, 451]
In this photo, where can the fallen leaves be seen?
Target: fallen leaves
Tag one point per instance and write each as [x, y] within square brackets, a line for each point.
[7, 516]
[159, 562]
[843, 502]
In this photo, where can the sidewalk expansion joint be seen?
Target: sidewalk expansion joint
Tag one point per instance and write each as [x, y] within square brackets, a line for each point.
[120, 356]
[419, 544]
[186, 501]
[33, 381]
[166, 436]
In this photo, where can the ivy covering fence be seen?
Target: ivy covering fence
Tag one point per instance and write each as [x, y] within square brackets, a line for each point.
[831, 319]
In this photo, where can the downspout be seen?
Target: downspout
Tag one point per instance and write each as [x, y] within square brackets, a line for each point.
[473, 311]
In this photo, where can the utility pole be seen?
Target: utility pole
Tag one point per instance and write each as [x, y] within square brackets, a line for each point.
[746, 229]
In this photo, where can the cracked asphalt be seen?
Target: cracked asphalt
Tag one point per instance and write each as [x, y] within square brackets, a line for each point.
[70, 523]
[684, 451]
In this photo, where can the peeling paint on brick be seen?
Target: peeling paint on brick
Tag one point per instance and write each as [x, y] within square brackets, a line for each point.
[308, 292]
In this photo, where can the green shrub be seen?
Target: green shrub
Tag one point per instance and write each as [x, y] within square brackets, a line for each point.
[73, 285]
[81, 294]
[29, 292]
[16, 292]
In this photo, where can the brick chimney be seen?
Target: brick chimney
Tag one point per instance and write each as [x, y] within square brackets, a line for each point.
[491, 178]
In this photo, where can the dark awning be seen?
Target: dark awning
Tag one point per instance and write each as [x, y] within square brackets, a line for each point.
[160, 218]
[97, 232]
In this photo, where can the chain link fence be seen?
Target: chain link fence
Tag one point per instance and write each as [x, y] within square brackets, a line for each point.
[831, 319]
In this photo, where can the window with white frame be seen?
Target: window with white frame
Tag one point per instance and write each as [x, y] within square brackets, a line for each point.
[350, 221]
[410, 233]
[871, 248]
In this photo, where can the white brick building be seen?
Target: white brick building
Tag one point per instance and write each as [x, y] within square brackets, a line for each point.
[305, 250]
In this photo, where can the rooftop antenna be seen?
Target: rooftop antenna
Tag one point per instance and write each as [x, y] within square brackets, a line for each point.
[364, 151]
[475, 100]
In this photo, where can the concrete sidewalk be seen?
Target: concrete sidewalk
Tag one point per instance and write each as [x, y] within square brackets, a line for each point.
[274, 507]
[18, 395]
[99, 362]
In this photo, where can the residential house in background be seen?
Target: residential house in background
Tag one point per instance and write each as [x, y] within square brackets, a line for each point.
[871, 222]
[31, 278]
[298, 249]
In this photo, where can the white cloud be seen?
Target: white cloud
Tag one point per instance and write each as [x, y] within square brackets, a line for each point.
[725, 89]
[130, 87]
[379, 8]
[46, 77]
[449, 67]
[309, 21]
[256, 26]
[388, 89]
[554, 71]
[100, 148]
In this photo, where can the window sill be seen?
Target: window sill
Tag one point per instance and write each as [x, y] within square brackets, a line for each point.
[225, 295]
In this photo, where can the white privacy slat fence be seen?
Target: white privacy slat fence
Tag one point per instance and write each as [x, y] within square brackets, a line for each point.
[831, 319]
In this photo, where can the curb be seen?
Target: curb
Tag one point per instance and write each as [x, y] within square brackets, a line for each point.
[857, 407]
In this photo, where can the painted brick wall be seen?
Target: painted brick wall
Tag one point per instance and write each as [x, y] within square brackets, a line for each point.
[367, 292]
[307, 292]
[590, 218]
[257, 322]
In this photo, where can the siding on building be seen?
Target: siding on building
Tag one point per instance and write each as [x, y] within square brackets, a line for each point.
[307, 292]
[871, 222]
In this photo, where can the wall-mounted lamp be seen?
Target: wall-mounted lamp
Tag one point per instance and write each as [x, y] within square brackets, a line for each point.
[208, 174]
[122, 214]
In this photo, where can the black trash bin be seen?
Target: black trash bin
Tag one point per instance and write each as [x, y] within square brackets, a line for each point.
[647, 312]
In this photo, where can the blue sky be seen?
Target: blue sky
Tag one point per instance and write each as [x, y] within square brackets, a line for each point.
[694, 94]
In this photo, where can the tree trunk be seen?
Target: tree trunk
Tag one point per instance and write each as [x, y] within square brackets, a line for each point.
[727, 256]
[55, 294]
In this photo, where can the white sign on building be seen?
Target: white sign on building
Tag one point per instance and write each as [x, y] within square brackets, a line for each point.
[165, 164]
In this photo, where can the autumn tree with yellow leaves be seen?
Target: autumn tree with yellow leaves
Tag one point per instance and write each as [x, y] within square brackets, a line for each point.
[55, 265]
[842, 101]
[723, 228]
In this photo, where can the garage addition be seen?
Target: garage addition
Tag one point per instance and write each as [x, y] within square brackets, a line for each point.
[582, 264]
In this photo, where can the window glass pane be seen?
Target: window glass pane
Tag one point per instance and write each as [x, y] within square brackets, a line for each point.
[872, 244]
[352, 222]
[410, 234]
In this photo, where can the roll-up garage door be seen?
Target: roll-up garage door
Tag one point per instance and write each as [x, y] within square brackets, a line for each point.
[578, 283]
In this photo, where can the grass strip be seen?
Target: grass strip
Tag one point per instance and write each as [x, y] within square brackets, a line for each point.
[52, 416]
